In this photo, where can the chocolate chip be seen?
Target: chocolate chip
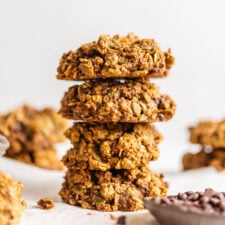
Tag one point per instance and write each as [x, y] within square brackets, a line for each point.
[121, 220]
[214, 201]
[182, 196]
[204, 199]
[161, 117]
[193, 197]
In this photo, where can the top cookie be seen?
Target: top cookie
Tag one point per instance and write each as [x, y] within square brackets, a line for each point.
[209, 133]
[115, 57]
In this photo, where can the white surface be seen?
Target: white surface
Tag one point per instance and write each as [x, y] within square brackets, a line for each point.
[34, 34]
[41, 183]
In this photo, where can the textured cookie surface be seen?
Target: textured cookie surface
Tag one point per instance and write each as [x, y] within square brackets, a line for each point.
[209, 133]
[115, 57]
[117, 101]
[11, 204]
[111, 190]
[113, 145]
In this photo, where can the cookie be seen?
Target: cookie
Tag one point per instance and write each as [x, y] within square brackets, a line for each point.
[117, 101]
[112, 190]
[115, 57]
[209, 133]
[206, 157]
[32, 134]
[112, 145]
[11, 204]
[32, 129]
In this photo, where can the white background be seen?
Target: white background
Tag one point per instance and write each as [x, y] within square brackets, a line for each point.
[34, 34]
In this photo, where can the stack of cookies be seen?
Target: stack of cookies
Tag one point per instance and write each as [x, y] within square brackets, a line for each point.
[108, 164]
[211, 136]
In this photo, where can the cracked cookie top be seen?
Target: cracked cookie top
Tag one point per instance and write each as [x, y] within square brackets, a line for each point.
[115, 57]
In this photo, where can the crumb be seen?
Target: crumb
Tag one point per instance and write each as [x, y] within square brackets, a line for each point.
[89, 214]
[45, 203]
[112, 217]
[121, 220]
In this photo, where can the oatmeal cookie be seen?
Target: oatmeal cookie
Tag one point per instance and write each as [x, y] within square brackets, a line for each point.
[45, 158]
[117, 101]
[206, 157]
[115, 57]
[112, 145]
[32, 134]
[209, 133]
[11, 204]
[112, 190]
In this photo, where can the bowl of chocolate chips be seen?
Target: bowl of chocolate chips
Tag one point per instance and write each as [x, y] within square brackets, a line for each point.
[189, 208]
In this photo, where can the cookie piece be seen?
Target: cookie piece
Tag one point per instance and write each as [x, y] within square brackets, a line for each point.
[112, 190]
[206, 157]
[115, 57]
[112, 145]
[209, 133]
[45, 203]
[45, 158]
[11, 204]
[117, 101]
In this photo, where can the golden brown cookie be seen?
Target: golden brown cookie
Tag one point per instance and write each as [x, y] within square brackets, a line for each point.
[117, 101]
[29, 128]
[112, 190]
[32, 133]
[206, 157]
[115, 57]
[209, 133]
[11, 204]
[112, 145]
